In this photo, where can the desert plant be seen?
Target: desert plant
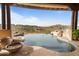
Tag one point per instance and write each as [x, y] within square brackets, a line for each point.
[75, 34]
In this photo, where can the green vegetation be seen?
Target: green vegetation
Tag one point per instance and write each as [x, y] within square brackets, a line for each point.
[36, 29]
[75, 35]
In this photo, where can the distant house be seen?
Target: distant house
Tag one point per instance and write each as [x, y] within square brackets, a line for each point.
[38, 29]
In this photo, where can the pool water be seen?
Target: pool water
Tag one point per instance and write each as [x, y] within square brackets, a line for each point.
[48, 41]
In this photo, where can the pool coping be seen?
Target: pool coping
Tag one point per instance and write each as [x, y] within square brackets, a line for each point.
[66, 40]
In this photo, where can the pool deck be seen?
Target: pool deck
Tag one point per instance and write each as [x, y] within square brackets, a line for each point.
[40, 51]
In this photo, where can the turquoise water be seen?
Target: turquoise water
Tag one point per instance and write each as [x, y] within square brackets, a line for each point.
[48, 41]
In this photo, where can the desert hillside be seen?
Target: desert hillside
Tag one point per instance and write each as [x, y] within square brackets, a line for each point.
[37, 29]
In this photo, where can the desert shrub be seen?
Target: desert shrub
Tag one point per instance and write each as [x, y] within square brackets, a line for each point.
[75, 35]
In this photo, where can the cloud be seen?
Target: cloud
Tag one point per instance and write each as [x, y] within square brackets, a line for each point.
[28, 20]
[33, 20]
[21, 19]
[17, 18]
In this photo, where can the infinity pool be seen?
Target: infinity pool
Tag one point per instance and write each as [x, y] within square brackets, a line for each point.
[48, 41]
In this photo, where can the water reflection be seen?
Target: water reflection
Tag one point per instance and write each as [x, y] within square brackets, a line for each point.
[48, 41]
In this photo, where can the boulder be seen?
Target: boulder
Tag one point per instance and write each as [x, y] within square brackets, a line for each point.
[14, 47]
[4, 52]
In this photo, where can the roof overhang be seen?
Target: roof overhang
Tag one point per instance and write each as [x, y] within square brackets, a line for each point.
[47, 6]
[43, 6]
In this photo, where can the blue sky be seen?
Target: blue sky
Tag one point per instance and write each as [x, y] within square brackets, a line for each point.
[39, 17]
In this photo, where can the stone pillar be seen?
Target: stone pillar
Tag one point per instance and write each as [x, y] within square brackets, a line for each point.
[6, 21]
[74, 19]
[3, 16]
[8, 17]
